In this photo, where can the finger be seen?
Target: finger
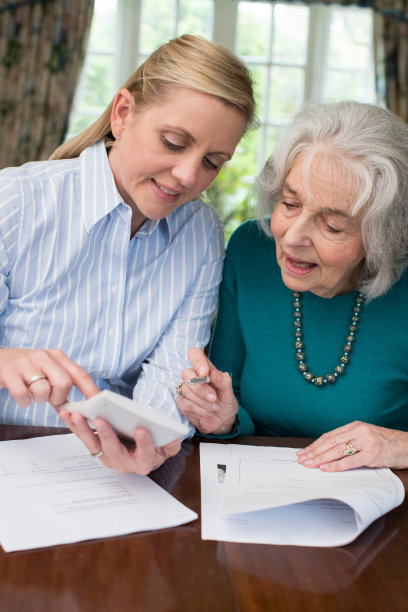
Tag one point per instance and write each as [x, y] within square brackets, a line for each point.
[15, 383]
[40, 390]
[203, 395]
[335, 453]
[328, 440]
[171, 449]
[146, 457]
[192, 411]
[199, 361]
[347, 463]
[79, 425]
[80, 378]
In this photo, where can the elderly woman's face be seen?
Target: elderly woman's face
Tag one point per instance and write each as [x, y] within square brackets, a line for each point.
[318, 242]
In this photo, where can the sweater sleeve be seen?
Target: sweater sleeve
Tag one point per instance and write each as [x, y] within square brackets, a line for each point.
[227, 348]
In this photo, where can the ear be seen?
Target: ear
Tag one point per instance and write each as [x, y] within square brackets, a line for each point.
[121, 110]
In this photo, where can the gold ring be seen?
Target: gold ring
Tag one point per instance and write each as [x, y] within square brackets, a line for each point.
[34, 379]
[179, 389]
[350, 448]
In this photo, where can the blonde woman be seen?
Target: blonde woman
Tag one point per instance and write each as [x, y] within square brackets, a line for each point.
[110, 263]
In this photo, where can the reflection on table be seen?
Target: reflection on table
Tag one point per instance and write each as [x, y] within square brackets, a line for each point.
[174, 570]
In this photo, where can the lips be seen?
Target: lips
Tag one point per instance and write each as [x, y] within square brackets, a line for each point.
[164, 192]
[298, 267]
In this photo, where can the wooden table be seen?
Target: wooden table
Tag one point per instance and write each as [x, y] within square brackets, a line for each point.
[173, 570]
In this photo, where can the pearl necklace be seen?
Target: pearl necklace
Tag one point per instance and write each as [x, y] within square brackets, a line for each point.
[319, 381]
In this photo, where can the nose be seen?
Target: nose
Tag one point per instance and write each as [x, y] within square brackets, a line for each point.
[299, 232]
[186, 170]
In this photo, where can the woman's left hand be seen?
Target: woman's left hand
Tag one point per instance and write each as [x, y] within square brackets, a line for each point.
[139, 459]
[370, 445]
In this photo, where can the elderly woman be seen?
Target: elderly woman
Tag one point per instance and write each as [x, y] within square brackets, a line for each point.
[312, 326]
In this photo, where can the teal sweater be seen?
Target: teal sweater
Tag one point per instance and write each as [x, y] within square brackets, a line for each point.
[254, 339]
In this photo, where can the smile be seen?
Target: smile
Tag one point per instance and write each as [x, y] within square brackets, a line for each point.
[167, 190]
[164, 193]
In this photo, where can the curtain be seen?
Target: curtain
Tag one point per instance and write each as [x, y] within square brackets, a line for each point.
[42, 47]
[392, 62]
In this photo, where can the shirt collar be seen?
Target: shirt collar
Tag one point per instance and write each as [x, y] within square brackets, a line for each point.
[99, 194]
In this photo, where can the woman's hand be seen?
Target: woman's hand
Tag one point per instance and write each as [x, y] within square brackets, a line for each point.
[139, 459]
[370, 445]
[211, 408]
[58, 374]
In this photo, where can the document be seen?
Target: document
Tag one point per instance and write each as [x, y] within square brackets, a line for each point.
[53, 491]
[263, 495]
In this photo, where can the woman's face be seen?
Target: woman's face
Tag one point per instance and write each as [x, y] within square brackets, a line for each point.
[169, 152]
[318, 243]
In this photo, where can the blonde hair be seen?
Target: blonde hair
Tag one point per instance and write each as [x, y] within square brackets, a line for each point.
[187, 61]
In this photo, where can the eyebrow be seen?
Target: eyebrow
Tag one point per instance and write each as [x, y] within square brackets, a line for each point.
[326, 210]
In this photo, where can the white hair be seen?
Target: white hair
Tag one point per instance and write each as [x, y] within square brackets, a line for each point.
[370, 144]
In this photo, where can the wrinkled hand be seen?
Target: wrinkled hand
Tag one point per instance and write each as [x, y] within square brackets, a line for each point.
[212, 407]
[376, 446]
[139, 459]
[17, 366]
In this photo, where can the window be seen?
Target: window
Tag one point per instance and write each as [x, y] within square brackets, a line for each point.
[296, 52]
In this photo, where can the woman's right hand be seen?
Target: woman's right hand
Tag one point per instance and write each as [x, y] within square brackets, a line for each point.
[212, 407]
[17, 366]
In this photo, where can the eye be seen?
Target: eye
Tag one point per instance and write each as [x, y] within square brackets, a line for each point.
[333, 230]
[172, 146]
[289, 205]
[210, 164]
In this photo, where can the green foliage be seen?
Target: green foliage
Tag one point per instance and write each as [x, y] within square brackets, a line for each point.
[231, 192]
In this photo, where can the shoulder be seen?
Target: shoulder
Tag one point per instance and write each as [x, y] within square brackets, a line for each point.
[249, 240]
[35, 177]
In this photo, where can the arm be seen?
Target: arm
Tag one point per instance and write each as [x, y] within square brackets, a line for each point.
[19, 365]
[190, 326]
[216, 409]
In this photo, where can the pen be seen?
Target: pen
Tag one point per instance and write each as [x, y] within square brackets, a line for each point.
[198, 380]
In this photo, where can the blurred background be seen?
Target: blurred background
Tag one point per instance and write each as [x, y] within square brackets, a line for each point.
[295, 51]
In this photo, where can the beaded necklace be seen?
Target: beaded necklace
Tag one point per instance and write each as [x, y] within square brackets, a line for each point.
[319, 381]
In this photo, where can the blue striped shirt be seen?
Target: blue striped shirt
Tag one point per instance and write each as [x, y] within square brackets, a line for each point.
[70, 278]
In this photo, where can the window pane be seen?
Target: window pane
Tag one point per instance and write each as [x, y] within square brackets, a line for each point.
[290, 33]
[349, 65]
[196, 17]
[350, 36]
[253, 29]
[286, 93]
[158, 23]
[353, 82]
[95, 87]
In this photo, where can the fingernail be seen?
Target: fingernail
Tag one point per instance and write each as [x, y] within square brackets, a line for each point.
[202, 370]
[215, 407]
[211, 397]
[309, 462]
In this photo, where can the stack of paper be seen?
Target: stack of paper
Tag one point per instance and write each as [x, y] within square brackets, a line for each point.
[53, 492]
[262, 495]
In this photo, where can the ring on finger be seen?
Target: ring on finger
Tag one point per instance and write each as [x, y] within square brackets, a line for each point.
[34, 379]
[98, 454]
[178, 388]
[350, 448]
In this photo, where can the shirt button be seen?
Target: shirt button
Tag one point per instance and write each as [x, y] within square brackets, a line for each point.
[115, 288]
[111, 332]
